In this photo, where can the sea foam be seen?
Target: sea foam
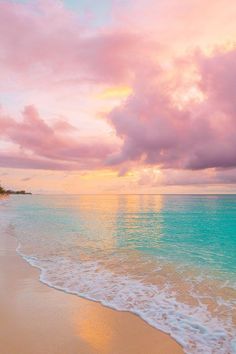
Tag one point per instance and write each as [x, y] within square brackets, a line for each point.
[169, 259]
[193, 327]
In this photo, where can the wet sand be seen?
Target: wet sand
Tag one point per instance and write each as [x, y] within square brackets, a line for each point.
[37, 319]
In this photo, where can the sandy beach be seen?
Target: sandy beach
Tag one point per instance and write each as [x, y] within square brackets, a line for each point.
[37, 319]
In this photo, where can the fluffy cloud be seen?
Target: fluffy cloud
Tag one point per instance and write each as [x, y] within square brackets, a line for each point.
[43, 146]
[44, 43]
[180, 114]
[197, 135]
[153, 177]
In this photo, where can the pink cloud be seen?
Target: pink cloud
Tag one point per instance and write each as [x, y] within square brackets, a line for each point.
[181, 26]
[198, 136]
[16, 160]
[44, 43]
[42, 146]
[172, 177]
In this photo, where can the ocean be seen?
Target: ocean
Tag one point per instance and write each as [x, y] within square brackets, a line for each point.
[171, 259]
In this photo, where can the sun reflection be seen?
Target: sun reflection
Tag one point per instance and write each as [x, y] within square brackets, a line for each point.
[109, 220]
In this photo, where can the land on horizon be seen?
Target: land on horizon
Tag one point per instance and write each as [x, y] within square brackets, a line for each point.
[9, 191]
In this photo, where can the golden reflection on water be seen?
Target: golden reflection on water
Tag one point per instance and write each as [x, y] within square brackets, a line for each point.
[108, 211]
[113, 203]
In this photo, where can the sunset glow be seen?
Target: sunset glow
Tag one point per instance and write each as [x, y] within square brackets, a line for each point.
[118, 96]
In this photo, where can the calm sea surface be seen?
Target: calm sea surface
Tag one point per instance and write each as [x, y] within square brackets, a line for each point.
[170, 259]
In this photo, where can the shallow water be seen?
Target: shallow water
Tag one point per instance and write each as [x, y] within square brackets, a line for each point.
[170, 259]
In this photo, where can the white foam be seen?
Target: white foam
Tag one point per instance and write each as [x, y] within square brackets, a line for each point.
[193, 327]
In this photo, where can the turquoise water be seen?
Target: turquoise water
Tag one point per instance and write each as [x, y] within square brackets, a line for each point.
[171, 259]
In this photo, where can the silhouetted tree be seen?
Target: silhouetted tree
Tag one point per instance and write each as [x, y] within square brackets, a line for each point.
[2, 190]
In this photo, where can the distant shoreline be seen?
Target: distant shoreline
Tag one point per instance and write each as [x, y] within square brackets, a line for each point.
[18, 192]
[3, 191]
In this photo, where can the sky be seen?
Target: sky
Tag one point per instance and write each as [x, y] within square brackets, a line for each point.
[119, 96]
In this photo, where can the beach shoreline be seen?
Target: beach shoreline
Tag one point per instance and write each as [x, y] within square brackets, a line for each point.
[36, 318]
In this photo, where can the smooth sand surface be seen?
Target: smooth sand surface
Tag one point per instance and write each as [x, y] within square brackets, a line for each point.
[37, 319]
